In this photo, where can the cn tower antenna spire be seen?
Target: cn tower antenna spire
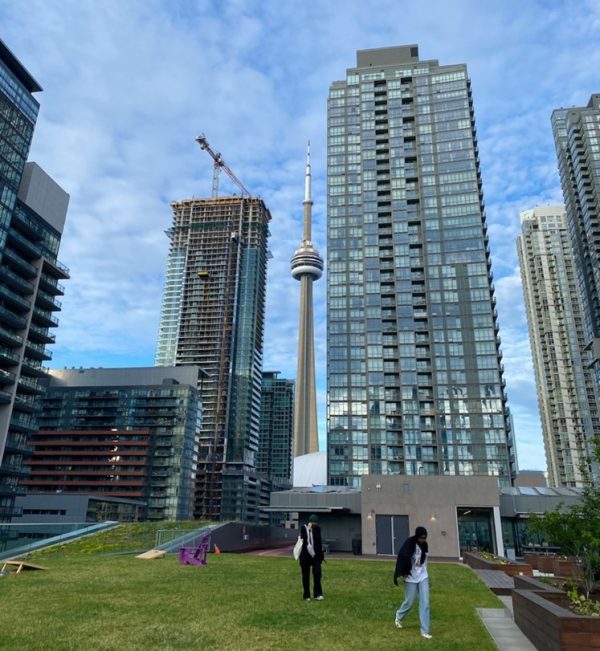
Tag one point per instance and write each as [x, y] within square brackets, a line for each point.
[306, 266]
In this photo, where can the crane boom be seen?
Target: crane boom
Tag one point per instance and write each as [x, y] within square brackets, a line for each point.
[218, 165]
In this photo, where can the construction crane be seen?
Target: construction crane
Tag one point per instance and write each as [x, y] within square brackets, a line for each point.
[218, 165]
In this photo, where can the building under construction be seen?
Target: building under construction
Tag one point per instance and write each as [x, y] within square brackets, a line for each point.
[213, 316]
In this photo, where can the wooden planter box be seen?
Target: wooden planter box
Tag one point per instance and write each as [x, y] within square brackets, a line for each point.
[531, 559]
[568, 567]
[530, 583]
[546, 564]
[548, 625]
[512, 568]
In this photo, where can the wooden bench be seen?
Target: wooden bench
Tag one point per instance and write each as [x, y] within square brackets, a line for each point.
[195, 555]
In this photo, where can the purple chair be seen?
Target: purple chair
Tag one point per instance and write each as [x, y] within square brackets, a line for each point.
[195, 555]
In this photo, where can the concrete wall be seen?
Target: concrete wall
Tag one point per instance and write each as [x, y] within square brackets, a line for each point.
[430, 502]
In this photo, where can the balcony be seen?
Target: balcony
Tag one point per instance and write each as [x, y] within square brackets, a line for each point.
[18, 303]
[11, 339]
[30, 385]
[50, 285]
[41, 334]
[8, 357]
[32, 369]
[56, 269]
[15, 261]
[25, 403]
[47, 301]
[6, 377]
[23, 423]
[37, 351]
[15, 281]
[23, 245]
[26, 225]
[44, 318]
[10, 318]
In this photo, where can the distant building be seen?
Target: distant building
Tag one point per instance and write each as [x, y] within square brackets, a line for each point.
[414, 365]
[32, 213]
[566, 392]
[576, 136]
[276, 428]
[530, 478]
[213, 316]
[123, 433]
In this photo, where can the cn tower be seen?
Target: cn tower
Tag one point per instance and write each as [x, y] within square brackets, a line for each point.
[307, 266]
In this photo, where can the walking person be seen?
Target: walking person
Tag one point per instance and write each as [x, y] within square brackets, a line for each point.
[412, 565]
[311, 556]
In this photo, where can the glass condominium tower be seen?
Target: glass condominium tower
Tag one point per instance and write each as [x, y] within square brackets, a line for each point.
[566, 393]
[577, 140]
[415, 379]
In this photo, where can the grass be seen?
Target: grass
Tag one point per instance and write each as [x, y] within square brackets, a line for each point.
[138, 536]
[91, 601]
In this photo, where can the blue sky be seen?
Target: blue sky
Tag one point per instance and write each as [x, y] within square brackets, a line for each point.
[129, 84]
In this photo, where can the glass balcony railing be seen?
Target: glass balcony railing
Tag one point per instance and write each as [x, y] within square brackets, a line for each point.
[23, 244]
[57, 268]
[41, 334]
[14, 299]
[15, 280]
[10, 338]
[44, 317]
[14, 259]
[10, 318]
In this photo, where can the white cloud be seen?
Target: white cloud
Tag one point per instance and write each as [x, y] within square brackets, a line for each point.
[128, 86]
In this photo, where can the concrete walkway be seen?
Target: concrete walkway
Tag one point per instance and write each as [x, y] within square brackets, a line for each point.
[501, 626]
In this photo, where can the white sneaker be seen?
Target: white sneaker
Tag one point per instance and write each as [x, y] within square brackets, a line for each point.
[398, 624]
[319, 598]
[426, 636]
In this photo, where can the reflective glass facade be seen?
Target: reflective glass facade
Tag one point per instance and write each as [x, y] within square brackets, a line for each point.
[30, 233]
[567, 398]
[415, 380]
[276, 428]
[577, 140]
[138, 436]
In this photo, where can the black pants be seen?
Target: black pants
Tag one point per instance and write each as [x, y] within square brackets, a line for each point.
[316, 570]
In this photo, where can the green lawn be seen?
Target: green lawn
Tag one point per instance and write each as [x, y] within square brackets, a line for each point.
[242, 602]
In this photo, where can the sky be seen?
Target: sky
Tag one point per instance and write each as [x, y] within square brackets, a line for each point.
[129, 84]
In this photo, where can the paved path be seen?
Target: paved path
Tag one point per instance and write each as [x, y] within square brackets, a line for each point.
[501, 626]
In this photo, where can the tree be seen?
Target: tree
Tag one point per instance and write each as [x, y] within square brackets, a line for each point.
[576, 529]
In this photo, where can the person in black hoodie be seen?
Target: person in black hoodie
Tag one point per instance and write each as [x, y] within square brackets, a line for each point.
[412, 565]
[312, 555]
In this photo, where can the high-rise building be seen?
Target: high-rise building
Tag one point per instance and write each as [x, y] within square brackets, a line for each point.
[120, 432]
[307, 266]
[577, 140]
[276, 427]
[216, 285]
[415, 379]
[566, 393]
[32, 215]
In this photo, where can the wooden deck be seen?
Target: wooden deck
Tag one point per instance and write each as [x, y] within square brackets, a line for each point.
[498, 582]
